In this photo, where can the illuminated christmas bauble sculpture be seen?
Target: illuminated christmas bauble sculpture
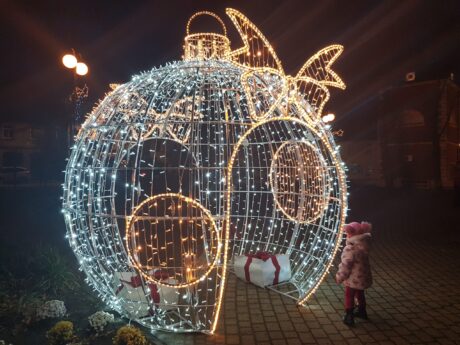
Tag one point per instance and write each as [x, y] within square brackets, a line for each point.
[187, 165]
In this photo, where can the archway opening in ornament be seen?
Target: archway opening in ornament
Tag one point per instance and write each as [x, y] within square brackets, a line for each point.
[286, 200]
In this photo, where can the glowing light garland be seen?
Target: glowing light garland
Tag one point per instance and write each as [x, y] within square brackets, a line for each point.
[150, 233]
[299, 181]
[185, 166]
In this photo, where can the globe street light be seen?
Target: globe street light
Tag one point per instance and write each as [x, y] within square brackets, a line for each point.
[79, 68]
[69, 61]
[328, 118]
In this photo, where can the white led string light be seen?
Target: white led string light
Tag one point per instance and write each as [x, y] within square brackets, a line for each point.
[186, 165]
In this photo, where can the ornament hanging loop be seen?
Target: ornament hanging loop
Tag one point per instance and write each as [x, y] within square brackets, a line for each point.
[206, 45]
[206, 13]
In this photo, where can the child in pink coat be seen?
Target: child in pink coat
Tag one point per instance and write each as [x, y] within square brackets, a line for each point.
[354, 270]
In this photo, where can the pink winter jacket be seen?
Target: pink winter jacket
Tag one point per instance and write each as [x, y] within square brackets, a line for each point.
[354, 270]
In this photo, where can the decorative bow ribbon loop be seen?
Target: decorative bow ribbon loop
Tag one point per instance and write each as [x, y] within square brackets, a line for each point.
[265, 83]
[160, 275]
[261, 255]
[134, 282]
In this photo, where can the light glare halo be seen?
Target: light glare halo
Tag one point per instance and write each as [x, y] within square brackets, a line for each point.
[81, 68]
[69, 61]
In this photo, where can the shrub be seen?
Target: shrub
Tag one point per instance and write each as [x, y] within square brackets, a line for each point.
[61, 333]
[129, 335]
[55, 272]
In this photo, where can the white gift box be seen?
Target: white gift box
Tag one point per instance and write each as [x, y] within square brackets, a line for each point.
[268, 270]
[167, 296]
[137, 298]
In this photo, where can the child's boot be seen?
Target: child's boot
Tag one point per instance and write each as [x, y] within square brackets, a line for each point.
[362, 313]
[348, 318]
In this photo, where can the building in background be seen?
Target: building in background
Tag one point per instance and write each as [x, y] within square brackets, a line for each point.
[31, 152]
[410, 137]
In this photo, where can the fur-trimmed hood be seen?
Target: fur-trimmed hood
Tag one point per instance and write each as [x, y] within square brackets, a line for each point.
[363, 240]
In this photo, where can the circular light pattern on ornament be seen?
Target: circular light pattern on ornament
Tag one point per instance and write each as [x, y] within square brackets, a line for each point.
[299, 178]
[173, 236]
[184, 166]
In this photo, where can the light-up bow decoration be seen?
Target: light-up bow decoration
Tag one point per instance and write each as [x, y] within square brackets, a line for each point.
[311, 81]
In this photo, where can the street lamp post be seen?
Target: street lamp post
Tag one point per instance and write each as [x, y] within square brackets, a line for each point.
[328, 118]
[79, 92]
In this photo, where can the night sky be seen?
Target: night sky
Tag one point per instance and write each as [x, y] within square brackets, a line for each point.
[383, 41]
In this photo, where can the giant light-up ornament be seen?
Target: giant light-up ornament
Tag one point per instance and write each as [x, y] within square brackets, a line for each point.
[187, 165]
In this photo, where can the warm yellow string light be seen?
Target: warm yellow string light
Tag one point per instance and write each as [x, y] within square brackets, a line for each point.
[135, 216]
[305, 216]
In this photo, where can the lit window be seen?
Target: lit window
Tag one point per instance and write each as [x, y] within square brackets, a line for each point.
[7, 132]
[412, 118]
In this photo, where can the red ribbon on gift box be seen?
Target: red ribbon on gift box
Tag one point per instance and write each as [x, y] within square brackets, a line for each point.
[154, 293]
[264, 256]
[136, 281]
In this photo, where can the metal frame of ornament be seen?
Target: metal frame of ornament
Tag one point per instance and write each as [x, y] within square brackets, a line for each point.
[227, 114]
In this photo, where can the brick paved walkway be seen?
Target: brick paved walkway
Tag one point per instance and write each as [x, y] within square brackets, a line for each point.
[415, 298]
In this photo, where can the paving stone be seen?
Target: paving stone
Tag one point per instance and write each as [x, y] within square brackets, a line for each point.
[270, 320]
[354, 341]
[245, 330]
[248, 340]
[279, 342]
[276, 335]
[259, 327]
[366, 338]
[399, 341]
[294, 341]
[290, 334]
[319, 333]
[306, 337]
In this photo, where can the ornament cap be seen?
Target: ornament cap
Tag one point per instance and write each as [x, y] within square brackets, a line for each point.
[206, 45]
